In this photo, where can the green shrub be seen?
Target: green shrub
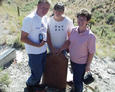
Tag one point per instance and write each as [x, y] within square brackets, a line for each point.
[29, 6]
[91, 22]
[20, 19]
[110, 19]
[18, 44]
[1, 68]
[4, 79]
[96, 7]
[98, 16]
[9, 1]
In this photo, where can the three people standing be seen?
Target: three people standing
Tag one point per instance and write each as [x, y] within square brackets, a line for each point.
[80, 41]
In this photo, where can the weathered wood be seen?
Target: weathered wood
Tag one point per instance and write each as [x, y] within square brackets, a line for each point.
[56, 71]
[18, 10]
[7, 56]
[1, 2]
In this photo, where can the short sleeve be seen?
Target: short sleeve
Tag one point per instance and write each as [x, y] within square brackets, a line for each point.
[46, 19]
[92, 44]
[48, 24]
[70, 26]
[26, 26]
[72, 32]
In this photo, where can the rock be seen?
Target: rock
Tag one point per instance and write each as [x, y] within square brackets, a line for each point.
[103, 71]
[111, 71]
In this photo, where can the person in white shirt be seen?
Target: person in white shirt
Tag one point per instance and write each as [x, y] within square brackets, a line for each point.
[34, 35]
[59, 29]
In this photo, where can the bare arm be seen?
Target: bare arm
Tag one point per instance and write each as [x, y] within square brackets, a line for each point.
[49, 40]
[53, 50]
[91, 51]
[65, 46]
[90, 57]
[25, 39]
[68, 34]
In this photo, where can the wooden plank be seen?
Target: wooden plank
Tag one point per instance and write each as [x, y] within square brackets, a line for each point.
[7, 56]
[56, 71]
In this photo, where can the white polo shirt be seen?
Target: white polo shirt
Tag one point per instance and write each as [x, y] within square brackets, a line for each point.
[59, 30]
[34, 25]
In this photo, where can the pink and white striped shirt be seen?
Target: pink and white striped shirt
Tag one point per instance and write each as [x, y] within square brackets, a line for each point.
[80, 45]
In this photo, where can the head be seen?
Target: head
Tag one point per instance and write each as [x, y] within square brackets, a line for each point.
[43, 7]
[58, 9]
[83, 17]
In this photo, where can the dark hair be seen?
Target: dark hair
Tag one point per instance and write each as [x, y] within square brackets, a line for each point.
[44, 1]
[85, 13]
[59, 6]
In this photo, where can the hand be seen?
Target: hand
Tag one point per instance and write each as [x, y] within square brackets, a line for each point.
[41, 44]
[58, 51]
[87, 69]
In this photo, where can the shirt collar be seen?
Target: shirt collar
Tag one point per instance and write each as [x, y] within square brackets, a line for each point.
[83, 33]
[37, 16]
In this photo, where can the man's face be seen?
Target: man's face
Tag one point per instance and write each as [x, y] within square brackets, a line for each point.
[43, 8]
[82, 21]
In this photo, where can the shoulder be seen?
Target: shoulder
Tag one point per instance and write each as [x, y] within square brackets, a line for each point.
[91, 35]
[29, 18]
[74, 29]
[45, 17]
[27, 21]
[50, 19]
[67, 19]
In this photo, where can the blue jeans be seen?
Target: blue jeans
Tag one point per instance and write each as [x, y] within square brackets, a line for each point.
[78, 74]
[37, 64]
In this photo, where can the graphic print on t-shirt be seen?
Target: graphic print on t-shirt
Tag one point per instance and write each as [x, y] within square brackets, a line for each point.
[42, 25]
[59, 28]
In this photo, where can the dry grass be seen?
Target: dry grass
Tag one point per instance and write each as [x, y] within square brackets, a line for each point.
[105, 44]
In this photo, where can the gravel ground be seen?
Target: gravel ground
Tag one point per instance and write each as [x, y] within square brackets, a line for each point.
[103, 71]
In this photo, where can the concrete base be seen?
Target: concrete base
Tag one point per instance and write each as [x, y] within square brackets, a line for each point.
[7, 56]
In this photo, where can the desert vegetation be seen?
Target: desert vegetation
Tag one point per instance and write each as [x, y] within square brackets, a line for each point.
[102, 22]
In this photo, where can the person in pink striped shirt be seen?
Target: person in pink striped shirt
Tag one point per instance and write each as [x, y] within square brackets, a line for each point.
[82, 46]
